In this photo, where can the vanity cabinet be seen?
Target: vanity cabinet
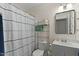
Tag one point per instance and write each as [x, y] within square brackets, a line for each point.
[71, 51]
[58, 50]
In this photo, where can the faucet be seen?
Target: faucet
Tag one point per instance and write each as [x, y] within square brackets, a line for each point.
[64, 41]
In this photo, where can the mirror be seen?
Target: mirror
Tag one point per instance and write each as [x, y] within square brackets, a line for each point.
[65, 22]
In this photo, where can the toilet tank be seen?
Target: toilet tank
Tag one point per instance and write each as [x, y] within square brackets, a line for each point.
[43, 45]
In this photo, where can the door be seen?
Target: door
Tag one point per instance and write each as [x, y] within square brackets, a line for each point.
[1, 37]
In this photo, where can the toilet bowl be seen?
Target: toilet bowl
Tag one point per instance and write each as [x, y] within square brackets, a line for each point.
[38, 52]
[42, 47]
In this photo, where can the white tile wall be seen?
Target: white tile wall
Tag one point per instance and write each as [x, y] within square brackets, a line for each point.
[18, 29]
[77, 20]
[76, 35]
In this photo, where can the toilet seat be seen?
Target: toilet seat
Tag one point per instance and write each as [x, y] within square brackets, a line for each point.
[38, 52]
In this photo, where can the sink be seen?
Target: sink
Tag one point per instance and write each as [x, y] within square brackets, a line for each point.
[66, 43]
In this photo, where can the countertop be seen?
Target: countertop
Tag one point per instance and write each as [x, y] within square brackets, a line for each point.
[67, 44]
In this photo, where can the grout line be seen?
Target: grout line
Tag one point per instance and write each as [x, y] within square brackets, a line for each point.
[18, 22]
[19, 39]
[16, 48]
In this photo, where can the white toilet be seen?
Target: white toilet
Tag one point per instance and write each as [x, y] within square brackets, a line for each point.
[40, 51]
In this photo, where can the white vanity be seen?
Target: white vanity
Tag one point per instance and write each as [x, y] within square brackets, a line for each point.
[64, 48]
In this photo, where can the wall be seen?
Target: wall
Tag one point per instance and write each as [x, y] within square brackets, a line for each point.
[48, 11]
[18, 27]
[75, 6]
[72, 37]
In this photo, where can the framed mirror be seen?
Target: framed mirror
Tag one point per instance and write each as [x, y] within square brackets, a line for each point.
[65, 22]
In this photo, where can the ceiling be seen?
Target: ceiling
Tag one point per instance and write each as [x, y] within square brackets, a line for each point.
[38, 10]
[27, 6]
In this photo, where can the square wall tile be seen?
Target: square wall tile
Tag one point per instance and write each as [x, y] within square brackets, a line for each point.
[15, 35]
[16, 53]
[24, 42]
[26, 19]
[7, 15]
[15, 25]
[30, 51]
[16, 44]
[9, 54]
[20, 43]
[19, 27]
[7, 25]
[14, 16]
[23, 20]
[26, 50]
[19, 34]
[21, 52]
[27, 40]
[8, 46]
[5, 36]
[9, 35]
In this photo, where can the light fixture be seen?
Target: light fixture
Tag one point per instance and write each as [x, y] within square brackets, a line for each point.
[60, 9]
[64, 7]
[69, 6]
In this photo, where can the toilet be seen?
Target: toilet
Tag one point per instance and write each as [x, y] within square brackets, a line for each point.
[38, 52]
[42, 47]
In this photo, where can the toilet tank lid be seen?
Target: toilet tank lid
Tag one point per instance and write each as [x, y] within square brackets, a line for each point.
[38, 52]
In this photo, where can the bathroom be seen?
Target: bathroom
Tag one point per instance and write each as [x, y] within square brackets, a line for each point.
[39, 29]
